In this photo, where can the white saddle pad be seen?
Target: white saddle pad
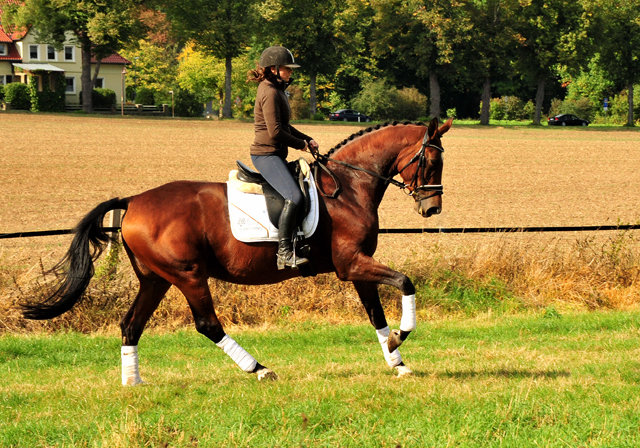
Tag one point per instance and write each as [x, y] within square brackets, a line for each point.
[248, 211]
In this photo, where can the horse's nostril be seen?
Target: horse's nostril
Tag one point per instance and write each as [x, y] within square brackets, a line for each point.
[433, 211]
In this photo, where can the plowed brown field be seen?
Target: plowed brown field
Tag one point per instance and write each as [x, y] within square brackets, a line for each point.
[55, 168]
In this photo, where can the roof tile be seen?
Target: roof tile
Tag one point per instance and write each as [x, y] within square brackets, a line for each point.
[113, 59]
[13, 54]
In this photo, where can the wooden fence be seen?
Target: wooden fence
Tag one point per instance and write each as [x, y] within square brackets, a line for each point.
[163, 110]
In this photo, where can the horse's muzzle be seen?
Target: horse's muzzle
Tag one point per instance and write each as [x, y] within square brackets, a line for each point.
[429, 206]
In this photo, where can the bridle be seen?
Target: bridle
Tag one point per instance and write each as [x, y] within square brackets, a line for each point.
[412, 188]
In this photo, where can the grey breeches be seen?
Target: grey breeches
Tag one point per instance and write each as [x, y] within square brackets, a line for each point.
[275, 171]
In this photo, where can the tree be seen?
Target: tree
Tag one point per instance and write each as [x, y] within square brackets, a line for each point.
[493, 39]
[99, 28]
[307, 28]
[421, 36]
[614, 26]
[201, 74]
[549, 34]
[222, 27]
[155, 67]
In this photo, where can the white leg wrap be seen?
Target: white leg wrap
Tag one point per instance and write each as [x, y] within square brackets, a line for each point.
[244, 360]
[393, 359]
[130, 373]
[408, 321]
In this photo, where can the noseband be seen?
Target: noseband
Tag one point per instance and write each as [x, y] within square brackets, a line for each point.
[420, 157]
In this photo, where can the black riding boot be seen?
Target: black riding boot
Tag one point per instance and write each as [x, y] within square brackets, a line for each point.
[286, 228]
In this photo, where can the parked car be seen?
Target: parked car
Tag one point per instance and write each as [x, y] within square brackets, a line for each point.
[567, 120]
[348, 115]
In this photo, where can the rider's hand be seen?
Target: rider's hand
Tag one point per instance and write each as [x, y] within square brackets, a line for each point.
[313, 147]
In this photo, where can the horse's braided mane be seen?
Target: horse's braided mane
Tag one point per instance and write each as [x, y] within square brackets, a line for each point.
[370, 129]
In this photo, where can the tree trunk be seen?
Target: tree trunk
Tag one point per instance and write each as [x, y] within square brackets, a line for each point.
[434, 92]
[486, 98]
[96, 72]
[85, 78]
[630, 100]
[313, 100]
[226, 109]
[539, 100]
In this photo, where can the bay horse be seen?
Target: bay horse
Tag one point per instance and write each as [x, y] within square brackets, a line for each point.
[179, 234]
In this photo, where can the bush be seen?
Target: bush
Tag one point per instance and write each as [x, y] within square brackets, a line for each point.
[496, 109]
[319, 116]
[187, 104]
[529, 110]
[412, 105]
[509, 108]
[298, 104]
[582, 107]
[514, 108]
[1, 91]
[145, 96]
[452, 113]
[554, 109]
[102, 98]
[619, 107]
[384, 102]
[17, 94]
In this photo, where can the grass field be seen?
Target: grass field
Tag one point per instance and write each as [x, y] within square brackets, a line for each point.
[525, 381]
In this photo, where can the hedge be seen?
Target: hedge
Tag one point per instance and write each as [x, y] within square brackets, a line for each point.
[102, 98]
[17, 94]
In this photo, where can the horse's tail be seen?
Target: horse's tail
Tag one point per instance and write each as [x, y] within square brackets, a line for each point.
[76, 268]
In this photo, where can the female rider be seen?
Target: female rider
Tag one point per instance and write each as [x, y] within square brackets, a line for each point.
[273, 136]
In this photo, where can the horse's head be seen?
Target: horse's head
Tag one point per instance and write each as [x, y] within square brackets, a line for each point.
[421, 171]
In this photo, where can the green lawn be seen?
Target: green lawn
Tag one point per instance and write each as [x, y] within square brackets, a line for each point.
[489, 381]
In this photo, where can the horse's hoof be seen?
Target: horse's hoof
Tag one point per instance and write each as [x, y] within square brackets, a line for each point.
[134, 382]
[267, 375]
[394, 341]
[404, 371]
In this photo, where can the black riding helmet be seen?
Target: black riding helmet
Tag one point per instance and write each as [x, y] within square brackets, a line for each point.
[277, 56]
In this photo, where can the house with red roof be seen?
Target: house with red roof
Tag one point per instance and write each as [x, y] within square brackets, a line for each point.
[22, 57]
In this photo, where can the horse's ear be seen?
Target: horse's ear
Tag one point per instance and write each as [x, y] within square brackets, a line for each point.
[445, 127]
[433, 128]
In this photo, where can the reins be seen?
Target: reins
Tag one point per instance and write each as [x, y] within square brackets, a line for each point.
[321, 160]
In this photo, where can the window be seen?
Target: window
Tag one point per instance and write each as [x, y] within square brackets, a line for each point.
[51, 53]
[69, 53]
[71, 84]
[99, 83]
[6, 79]
[34, 52]
[4, 50]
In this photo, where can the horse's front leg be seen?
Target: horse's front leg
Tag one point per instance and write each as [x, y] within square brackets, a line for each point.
[389, 341]
[366, 269]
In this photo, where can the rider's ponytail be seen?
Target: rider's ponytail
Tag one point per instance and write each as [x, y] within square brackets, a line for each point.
[260, 74]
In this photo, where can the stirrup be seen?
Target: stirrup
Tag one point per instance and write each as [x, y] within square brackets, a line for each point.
[290, 260]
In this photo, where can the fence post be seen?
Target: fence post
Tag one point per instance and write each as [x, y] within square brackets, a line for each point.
[115, 220]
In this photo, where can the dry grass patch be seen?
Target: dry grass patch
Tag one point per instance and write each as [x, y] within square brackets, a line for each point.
[511, 273]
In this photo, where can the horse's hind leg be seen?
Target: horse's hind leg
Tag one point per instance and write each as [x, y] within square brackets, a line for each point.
[152, 290]
[199, 297]
[370, 298]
